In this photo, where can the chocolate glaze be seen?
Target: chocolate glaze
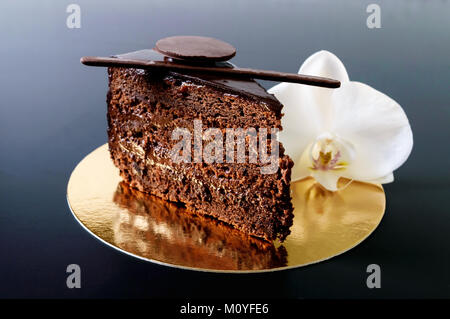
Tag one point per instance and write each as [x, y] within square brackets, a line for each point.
[230, 85]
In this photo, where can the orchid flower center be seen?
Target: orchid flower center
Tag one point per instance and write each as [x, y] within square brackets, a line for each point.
[329, 152]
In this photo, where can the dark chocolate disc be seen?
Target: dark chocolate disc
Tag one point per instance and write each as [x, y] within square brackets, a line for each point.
[195, 48]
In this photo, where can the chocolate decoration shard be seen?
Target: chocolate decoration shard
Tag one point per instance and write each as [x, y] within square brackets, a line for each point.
[195, 48]
[142, 60]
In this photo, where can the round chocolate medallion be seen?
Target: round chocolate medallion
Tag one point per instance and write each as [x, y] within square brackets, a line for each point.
[195, 48]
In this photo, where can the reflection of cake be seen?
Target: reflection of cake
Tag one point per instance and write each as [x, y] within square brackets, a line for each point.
[157, 229]
[144, 108]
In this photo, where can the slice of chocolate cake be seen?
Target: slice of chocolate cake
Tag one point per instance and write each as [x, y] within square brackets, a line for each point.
[147, 107]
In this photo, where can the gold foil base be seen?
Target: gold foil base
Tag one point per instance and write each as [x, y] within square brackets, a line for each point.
[326, 224]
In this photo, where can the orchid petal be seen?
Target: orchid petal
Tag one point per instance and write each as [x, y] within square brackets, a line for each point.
[300, 119]
[299, 155]
[325, 64]
[377, 127]
[328, 179]
[382, 180]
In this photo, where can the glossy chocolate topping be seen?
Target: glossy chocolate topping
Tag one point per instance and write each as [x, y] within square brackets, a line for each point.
[228, 84]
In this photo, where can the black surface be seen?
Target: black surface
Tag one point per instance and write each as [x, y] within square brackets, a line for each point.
[52, 113]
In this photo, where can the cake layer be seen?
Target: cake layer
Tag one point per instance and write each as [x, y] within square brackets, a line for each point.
[143, 111]
[255, 203]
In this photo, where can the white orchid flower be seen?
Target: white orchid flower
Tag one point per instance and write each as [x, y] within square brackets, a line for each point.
[354, 132]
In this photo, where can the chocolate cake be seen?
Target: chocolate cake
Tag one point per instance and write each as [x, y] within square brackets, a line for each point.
[154, 228]
[145, 107]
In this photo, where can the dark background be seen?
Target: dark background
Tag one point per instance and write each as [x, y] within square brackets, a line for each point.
[52, 114]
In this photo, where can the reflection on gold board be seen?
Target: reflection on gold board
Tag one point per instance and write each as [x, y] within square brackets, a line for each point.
[326, 224]
[154, 228]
